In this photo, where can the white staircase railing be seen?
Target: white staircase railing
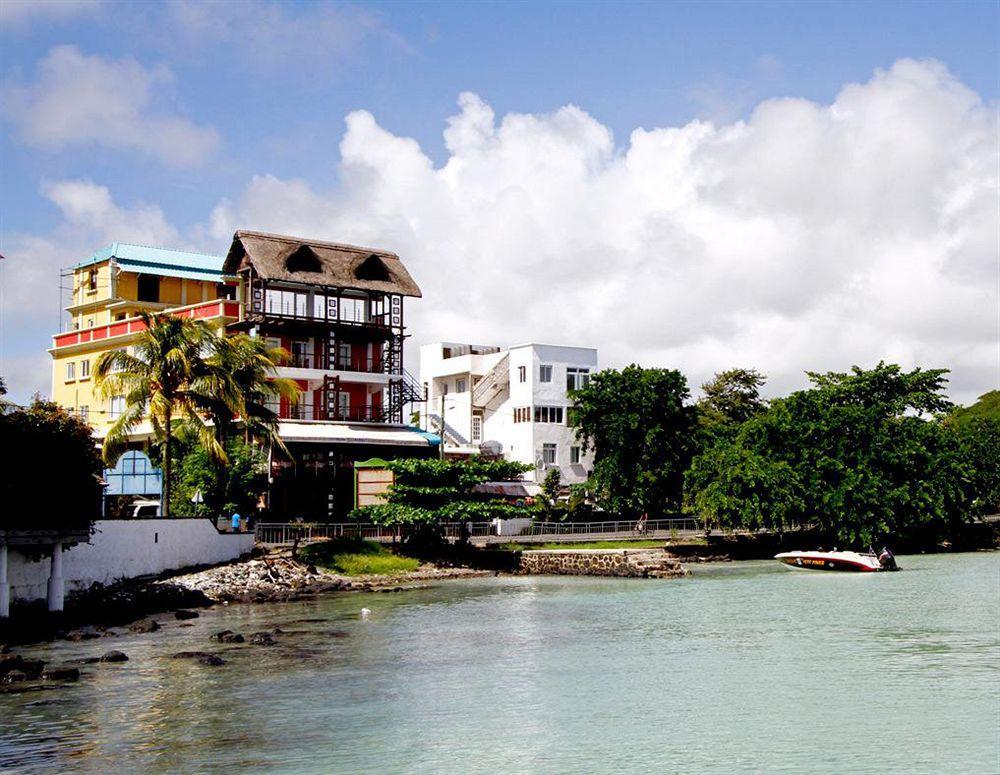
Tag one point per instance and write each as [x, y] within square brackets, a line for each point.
[492, 382]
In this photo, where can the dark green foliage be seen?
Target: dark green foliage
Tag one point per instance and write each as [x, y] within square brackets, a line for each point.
[643, 435]
[224, 487]
[551, 485]
[49, 470]
[855, 455]
[979, 441]
[428, 492]
[731, 397]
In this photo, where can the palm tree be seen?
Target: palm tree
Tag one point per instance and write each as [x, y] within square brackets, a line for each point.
[242, 374]
[164, 377]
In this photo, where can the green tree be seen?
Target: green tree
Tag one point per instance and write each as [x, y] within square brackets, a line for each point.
[429, 492]
[242, 375]
[50, 469]
[979, 441]
[643, 435]
[858, 454]
[167, 380]
[551, 485]
[731, 397]
[223, 488]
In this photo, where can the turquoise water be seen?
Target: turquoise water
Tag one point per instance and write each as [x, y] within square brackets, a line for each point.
[745, 667]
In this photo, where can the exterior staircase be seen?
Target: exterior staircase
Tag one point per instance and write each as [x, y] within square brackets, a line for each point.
[447, 432]
[492, 383]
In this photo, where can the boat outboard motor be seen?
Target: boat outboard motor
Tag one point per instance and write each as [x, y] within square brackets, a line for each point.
[887, 560]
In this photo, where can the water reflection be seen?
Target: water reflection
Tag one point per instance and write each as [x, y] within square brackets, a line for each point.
[744, 666]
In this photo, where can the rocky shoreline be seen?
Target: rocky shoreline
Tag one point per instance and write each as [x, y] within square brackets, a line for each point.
[281, 579]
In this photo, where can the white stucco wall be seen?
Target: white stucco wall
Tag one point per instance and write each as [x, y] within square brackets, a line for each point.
[126, 549]
[520, 441]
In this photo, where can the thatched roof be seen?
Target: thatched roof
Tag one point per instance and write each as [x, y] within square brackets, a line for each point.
[280, 257]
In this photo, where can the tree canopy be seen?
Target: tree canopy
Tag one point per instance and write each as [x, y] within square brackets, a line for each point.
[643, 436]
[859, 455]
[731, 397]
[429, 492]
[50, 470]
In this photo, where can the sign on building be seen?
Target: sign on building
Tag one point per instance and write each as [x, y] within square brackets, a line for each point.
[371, 482]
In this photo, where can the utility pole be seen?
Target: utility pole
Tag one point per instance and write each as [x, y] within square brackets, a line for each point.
[441, 445]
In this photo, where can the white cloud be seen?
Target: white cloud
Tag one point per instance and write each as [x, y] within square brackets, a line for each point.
[808, 237]
[30, 298]
[19, 14]
[77, 99]
[91, 220]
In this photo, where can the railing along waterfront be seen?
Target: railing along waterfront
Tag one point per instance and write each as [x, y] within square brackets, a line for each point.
[279, 533]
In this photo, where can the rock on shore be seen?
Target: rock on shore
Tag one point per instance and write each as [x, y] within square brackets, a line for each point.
[278, 579]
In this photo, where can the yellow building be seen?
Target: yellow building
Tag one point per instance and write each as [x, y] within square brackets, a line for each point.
[109, 290]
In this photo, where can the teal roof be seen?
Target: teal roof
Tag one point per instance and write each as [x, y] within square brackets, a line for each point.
[159, 261]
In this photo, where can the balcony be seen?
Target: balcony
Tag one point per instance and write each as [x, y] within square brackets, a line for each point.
[206, 310]
[309, 410]
[288, 306]
[366, 365]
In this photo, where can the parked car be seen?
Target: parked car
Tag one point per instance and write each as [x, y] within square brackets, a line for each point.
[145, 509]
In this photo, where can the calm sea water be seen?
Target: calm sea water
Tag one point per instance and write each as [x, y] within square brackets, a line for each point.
[745, 667]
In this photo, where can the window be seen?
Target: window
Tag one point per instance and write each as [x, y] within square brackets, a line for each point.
[460, 386]
[352, 310]
[286, 303]
[477, 427]
[303, 259]
[84, 369]
[148, 287]
[90, 322]
[301, 355]
[550, 414]
[577, 379]
[84, 413]
[372, 268]
[344, 405]
[544, 373]
[70, 371]
[549, 452]
[574, 454]
[344, 355]
[116, 407]
[92, 280]
[522, 374]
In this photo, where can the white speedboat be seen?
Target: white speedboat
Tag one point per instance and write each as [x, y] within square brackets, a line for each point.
[838, 561]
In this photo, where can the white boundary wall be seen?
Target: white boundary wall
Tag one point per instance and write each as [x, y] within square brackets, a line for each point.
[125, 549]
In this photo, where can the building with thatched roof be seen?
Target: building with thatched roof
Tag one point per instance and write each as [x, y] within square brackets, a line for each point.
[338, 310]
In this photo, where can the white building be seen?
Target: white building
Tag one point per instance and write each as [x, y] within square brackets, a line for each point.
[514, 397]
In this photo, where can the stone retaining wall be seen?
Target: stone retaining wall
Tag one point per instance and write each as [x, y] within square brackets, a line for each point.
[631, 563]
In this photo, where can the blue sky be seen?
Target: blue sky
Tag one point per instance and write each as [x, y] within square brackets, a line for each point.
[260, 89]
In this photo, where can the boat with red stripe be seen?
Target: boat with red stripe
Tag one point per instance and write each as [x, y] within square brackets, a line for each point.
[851, 562]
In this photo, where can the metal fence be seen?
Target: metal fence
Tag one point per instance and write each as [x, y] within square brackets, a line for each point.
[275, 534]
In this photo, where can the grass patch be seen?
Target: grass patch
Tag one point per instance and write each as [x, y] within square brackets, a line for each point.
[353, 557]
[625, 544]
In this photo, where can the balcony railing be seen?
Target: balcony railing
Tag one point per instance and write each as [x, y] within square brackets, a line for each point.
[367, 365]
[308, 410]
